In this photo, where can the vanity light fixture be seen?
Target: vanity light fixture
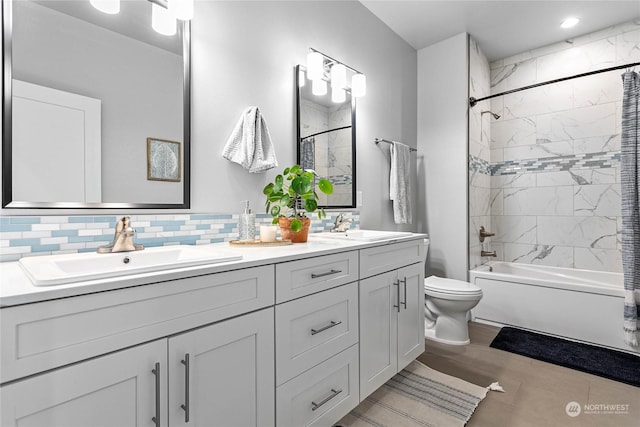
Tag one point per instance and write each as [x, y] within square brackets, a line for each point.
[569, 22]
[163, 12]
[106, 6]
[318, 63]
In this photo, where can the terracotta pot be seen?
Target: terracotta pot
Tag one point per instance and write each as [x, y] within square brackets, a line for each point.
[295, 237]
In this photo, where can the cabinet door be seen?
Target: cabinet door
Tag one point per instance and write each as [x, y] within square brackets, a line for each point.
[378, 325]
[223, 374]
[120, 389]
[411, 314]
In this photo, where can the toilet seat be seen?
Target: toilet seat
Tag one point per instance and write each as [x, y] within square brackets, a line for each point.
[440, 286]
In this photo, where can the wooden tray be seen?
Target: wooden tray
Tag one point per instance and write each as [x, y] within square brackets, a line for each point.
[278, 242]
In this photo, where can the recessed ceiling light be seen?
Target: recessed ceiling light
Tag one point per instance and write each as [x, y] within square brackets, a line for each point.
[569, 22]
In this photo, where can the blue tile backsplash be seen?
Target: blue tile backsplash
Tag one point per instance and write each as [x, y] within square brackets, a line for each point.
[44, 235]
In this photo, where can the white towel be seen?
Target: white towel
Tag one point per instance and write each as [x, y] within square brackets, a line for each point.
[250, 143]
[400, 182]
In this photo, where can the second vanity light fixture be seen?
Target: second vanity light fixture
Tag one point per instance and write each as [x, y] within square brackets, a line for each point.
[317, 65]
[163, 12]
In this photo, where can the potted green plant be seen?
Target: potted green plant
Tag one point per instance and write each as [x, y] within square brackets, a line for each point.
[293, 193]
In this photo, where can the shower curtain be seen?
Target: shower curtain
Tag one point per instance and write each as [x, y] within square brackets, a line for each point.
[630, 180]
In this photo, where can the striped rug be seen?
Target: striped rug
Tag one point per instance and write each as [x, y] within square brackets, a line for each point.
[417, 396]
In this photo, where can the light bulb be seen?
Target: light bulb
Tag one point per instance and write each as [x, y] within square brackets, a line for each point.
[319, 87]
[338, 76]
[315, 66]
[569, 22]
[107, 6]
[181, 9]
[337, 94]
[359, 85]
[162, 20]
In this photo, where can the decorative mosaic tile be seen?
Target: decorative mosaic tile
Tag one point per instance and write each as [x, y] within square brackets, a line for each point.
[46, 235]
[477, 164]
[558, 163]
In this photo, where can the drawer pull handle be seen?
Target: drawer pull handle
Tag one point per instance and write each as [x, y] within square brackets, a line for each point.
[404, 303]
[185, 362]
[324, 328]
[156, 372]
[328, 273]
[333, 394]
[397, 283]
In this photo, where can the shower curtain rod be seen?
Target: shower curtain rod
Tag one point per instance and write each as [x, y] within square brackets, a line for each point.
[473, 101]
[377, 140]
[324, 131]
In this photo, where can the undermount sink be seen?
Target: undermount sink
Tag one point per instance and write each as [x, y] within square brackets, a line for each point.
[363, 235]
[68, 268]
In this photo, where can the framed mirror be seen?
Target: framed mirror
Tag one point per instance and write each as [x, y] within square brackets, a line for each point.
[326, 140]
[96, 108]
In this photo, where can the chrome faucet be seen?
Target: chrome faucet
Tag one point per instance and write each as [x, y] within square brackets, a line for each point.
[341, 224]
[123, 238]
[488, 253]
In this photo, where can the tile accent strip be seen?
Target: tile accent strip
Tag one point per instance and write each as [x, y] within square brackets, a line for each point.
[558, 164]
[45, 235]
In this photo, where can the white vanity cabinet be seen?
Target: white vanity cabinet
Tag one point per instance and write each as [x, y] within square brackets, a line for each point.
[119, 389]
[391, 312]
[316, 340]
[219, 375]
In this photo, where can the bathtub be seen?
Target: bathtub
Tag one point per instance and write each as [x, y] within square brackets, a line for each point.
[580, 305]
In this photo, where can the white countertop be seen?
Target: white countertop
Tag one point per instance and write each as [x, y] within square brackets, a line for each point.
[16, 288]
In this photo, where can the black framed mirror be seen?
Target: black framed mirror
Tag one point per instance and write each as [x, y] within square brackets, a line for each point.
[326, 140]
[96, 108]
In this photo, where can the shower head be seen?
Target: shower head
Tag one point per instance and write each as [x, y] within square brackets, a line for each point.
[495, 116]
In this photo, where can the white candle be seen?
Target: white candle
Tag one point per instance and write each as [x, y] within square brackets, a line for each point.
[268, 233]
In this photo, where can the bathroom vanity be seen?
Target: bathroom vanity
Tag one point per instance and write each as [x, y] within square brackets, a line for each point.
[290, 336]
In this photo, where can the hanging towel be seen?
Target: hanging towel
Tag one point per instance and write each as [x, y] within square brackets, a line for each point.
[250, 143]
[308, 153]
[400, 182]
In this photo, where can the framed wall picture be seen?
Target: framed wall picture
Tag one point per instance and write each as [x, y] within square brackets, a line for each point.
[164, 161]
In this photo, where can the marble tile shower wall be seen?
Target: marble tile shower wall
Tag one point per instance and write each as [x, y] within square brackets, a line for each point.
[479, 153]
[45, 235]
[555, 152]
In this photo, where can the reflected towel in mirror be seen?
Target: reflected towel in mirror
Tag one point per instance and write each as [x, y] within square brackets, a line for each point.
[399, 182]
[250, 143]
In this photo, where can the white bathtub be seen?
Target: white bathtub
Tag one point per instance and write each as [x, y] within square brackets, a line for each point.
[581, 305]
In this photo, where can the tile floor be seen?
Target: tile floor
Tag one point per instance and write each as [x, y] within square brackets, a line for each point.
[536, 393]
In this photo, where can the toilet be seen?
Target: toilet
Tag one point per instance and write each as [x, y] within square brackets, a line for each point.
[447, 306]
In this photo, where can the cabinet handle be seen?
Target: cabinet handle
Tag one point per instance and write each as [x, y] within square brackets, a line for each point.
[328, 273]
[397, 283]
[156, 372]
[333, 394]
[185, 362]
[324, 328]
[404, 303]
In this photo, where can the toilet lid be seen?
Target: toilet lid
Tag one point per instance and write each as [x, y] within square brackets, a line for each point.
[451, 286]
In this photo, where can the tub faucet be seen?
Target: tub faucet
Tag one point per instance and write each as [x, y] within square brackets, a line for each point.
[488, 253]
[341, 224]
[123, 238]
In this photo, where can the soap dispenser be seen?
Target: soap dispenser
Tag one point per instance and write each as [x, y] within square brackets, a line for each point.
[247, 225]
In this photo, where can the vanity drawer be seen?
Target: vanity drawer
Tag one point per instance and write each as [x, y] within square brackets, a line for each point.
[45, 335]
[381, 259]
[314, 328]
[322, 395]
[307, 276]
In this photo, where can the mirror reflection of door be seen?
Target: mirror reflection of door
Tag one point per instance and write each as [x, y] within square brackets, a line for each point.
[326, 143]
[119, 60]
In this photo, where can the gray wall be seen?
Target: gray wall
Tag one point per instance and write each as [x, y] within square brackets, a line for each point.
[244, 54]
[442, 146]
